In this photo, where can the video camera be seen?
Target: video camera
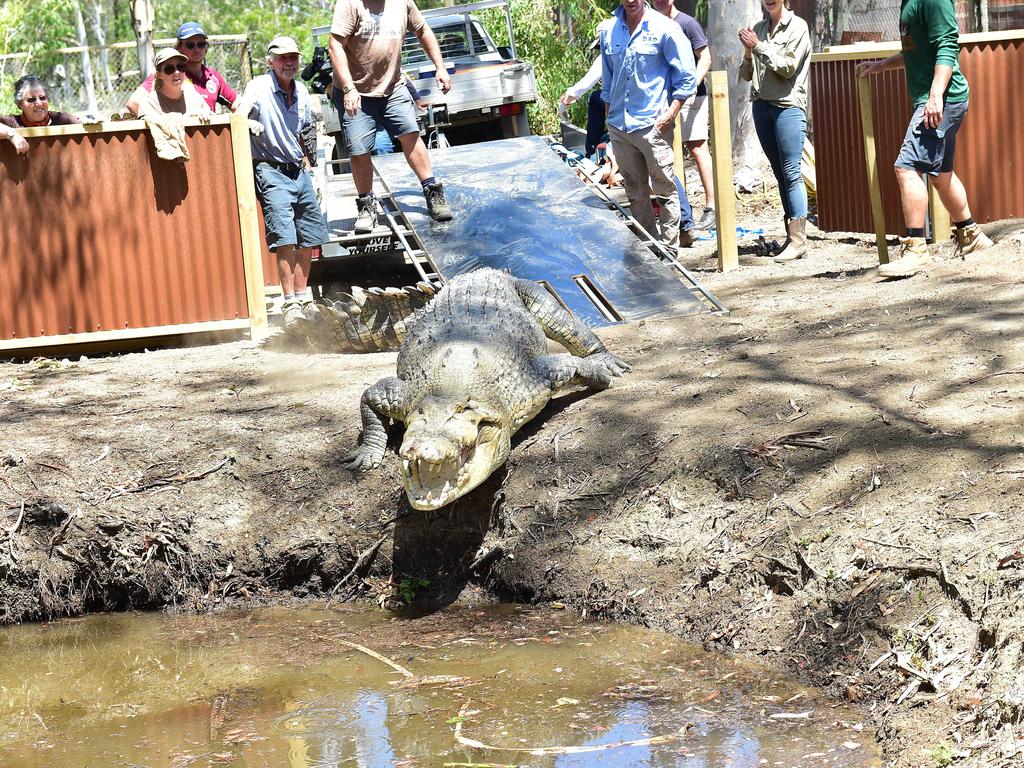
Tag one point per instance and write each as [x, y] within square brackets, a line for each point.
[318, 72]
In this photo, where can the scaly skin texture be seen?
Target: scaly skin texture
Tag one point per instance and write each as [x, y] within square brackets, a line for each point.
[474, 368]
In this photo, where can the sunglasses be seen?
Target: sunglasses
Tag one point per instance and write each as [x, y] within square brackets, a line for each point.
[34, 99]
[192, 46]
[170, 69]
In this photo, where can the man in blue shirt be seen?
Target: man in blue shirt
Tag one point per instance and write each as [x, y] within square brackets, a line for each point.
[647, 72]
[278, 108]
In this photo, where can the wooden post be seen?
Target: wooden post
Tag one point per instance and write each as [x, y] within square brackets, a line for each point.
[867, 123]
[721, 162]
[941, 226]
[252, 252]
[677, 152]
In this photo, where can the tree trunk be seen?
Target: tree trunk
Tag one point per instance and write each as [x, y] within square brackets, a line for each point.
[142, 23]
[101, 41]
[87, 81]
[831, 19]
[724, 20]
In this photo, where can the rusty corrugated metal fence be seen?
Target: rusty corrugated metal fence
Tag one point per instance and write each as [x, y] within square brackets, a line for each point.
[100, 239]
[990, 146]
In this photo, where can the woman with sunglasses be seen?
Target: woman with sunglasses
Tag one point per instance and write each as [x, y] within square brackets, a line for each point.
[30, 96]
[171, 91]
[211, 85]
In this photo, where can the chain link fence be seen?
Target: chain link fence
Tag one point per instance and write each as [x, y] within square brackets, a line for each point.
[114, 73]
[853, 21]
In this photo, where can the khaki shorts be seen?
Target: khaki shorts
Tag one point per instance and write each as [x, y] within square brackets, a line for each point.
[694, 117]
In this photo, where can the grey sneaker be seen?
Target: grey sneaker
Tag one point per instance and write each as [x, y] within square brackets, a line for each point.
[292, 313]
[687, 238]
[366, 215]
[437, 206]
[707, 220]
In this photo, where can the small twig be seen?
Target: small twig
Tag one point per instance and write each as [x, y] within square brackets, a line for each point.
[17, 523]
[365, 558]
[898, 546]
[542, 751]
[1009, 372]
[363, 649]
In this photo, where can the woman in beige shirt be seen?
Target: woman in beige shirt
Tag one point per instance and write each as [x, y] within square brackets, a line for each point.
[776, 61]
[172, 92]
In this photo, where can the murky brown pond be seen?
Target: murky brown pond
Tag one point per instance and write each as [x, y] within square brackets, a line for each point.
[500, 686]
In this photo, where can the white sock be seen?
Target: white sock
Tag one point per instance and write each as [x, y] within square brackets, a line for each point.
[289, 297]
[305, 296]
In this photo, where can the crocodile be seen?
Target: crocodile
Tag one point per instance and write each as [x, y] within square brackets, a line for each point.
[473, 367]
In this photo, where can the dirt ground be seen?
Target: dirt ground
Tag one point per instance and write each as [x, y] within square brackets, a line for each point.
[829, 479]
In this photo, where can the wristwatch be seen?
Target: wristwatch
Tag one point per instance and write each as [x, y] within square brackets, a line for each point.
[347, 88]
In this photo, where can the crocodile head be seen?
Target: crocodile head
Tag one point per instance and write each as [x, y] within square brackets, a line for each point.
[450, 447]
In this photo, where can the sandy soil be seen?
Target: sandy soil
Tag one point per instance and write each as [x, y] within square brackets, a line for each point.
[829, 479]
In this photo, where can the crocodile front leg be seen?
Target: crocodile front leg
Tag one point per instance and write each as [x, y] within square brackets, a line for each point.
[387, 399]
[595, 371]
[558, 324]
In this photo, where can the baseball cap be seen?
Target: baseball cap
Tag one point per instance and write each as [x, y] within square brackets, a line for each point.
[283, 44]
[166, 54]
[190, 29]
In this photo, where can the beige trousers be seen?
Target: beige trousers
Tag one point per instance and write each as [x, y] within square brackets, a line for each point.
[645, 161]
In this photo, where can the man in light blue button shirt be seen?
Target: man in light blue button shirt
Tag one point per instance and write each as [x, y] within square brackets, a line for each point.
[647, 72]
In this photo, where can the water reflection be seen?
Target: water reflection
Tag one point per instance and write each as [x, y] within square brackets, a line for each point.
[278, 687]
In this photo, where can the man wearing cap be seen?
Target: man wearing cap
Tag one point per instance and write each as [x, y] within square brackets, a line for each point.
[366, 53]
[277, 106]
[211, 85]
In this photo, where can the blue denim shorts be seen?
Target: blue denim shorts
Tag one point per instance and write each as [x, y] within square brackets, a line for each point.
[931, 150]
[291, 212]
[396, 113]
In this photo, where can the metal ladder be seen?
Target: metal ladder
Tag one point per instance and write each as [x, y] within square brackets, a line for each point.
[400, 229]
[692, 284]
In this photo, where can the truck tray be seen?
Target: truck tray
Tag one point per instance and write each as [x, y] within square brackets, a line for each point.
[518, 207]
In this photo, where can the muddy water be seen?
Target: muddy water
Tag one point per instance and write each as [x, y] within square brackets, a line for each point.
[279, 687]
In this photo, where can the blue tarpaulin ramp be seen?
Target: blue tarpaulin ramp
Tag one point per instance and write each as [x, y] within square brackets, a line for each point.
[520, 208]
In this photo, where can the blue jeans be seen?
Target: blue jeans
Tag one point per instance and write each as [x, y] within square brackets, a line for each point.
[782, 131]
[685, 211]
[595, 122]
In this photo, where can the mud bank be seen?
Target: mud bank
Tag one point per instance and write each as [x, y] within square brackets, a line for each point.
[830, 479]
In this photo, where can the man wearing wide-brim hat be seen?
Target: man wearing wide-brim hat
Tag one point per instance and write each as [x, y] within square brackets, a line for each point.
[193, 43]
[277, 106]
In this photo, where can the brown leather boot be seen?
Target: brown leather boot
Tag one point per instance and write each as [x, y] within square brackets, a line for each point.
[970, 239]
[797, 246]
[912, 258]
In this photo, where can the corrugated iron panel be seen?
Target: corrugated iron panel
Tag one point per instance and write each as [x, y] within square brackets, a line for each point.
[98, 234]
[990, 149]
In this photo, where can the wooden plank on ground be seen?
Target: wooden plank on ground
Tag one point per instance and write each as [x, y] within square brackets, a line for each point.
[721, 161]
[121, 334]
[252, 250]
[867, 123]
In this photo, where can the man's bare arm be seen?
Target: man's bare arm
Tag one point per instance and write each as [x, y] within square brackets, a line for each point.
[343, 75]
[433, 51]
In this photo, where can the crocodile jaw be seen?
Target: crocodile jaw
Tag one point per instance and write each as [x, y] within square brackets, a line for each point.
[443, 462]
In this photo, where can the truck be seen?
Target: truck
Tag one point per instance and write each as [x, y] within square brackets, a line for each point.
[491, 85]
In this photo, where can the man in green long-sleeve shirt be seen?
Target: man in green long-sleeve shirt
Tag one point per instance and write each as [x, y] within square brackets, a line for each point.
[939, 91]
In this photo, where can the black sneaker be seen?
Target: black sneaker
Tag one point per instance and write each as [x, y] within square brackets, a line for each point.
[707, 221]
[437, 206]
[366, 215]
[687, 238]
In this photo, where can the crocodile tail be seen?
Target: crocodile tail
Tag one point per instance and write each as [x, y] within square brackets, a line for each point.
[372, 320]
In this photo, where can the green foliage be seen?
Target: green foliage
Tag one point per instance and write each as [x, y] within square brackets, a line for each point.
[554, 38]
[942, 755]
[407, 588]
[261, 21]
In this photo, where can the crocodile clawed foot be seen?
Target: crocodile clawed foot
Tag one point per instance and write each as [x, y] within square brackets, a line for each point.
[614, 364]
[362, 459]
